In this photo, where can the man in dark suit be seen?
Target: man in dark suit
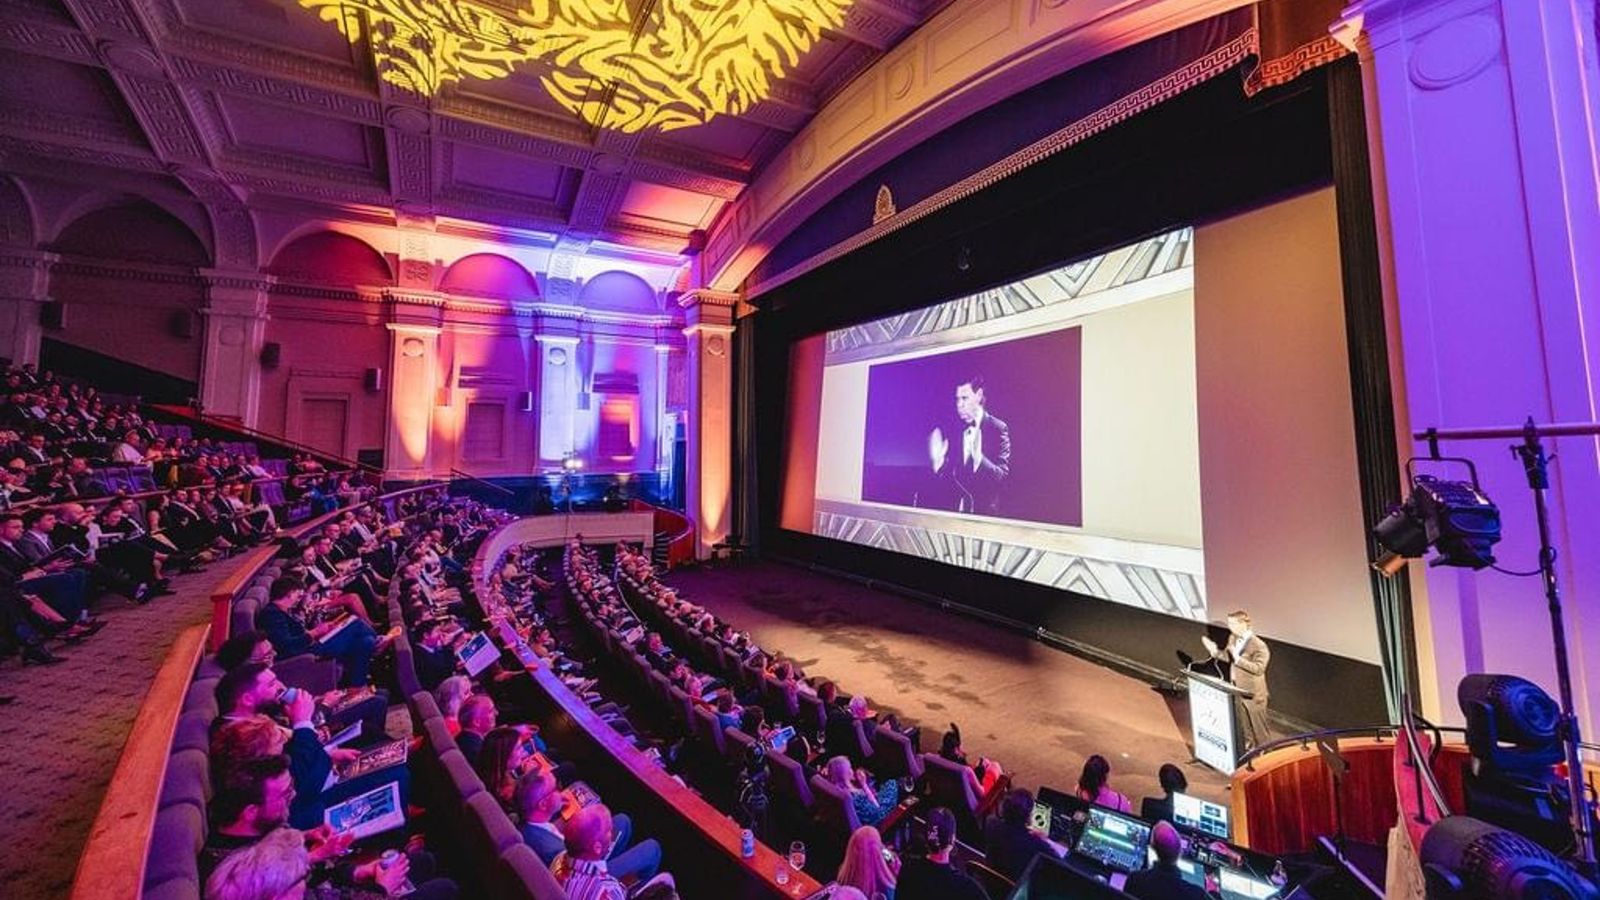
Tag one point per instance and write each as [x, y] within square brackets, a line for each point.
[1163, 880]
[985, 464]
[478, 716]
[353, 645]
[1247, 657]
[64, 589]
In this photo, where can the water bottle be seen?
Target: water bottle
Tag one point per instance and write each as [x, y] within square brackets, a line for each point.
[389, 858]
[747, 843]
[289, 696]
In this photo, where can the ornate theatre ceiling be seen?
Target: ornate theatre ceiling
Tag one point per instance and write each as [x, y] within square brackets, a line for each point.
[635, 121]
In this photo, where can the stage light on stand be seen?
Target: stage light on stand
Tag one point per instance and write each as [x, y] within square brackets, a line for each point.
[1453, 517]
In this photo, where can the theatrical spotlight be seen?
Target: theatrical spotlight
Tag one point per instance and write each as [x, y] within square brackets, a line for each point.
[1453, 517]
[1466, 859]
[1514, 736]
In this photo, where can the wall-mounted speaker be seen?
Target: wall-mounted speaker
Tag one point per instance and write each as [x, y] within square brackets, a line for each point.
[181, 324]
[53, 314]
[525, 401]
[374, 380]
[271, 353]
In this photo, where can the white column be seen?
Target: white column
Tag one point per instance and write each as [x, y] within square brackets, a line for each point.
[1484, 157]
[658, 409]
[24, 282]
[413, 382]
[235, 328]
[709, 467]
[558, 397]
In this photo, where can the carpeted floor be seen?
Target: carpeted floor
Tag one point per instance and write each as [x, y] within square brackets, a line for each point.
[1038, 711]
[60, 739]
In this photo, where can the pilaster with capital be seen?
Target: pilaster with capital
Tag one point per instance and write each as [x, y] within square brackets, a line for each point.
[556, 338]
[415, 322]
[24, 287]
[1482, 141]
[709, 467]
[235, 327]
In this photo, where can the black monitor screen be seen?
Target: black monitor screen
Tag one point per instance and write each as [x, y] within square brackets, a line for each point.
[1114, 840]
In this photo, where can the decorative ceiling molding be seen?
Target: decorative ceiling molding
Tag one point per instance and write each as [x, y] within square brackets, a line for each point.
[48, 39]
[970, 55]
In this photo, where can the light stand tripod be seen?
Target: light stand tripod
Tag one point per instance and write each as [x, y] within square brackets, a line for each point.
[1536, 467]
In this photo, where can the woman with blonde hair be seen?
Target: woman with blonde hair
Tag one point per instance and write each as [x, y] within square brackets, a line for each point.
[872, 802]
[864, 867]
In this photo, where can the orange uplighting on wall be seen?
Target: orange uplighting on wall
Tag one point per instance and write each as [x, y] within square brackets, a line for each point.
[681, 64]
[619, 428]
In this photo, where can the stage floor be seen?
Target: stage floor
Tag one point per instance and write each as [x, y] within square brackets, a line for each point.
[1036, 710]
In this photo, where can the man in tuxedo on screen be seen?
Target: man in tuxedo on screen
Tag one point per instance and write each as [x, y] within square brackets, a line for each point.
[985, 464]
[1247, 657]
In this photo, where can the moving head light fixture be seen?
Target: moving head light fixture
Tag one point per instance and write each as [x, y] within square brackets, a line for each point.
[1453, 517]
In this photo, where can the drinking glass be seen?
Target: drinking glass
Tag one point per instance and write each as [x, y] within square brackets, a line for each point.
[797, 855]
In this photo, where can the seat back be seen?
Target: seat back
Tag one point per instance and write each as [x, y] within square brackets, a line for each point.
[950, 784]
[708, 731]
[893, 756]
[993, 882]
[789, 781]
[835, 810]
[811, 716]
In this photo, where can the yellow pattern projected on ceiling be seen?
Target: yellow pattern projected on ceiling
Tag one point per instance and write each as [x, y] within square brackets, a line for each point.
[626, 65]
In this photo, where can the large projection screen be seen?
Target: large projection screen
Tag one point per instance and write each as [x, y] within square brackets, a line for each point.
[1082, 470]
[1179, 426]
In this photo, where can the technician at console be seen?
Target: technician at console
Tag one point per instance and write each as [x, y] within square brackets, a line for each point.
[1247, 656]
[1163, 880]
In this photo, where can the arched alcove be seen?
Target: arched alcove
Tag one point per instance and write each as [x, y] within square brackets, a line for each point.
[133, 231]
[489, 275]
[330, 257]
[618, 291]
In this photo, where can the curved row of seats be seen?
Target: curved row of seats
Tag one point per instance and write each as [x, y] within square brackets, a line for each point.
[152, 822]
[885, 752]
[487, 841]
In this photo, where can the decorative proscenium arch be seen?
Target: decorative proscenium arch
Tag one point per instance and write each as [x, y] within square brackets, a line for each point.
[490, 275]
[971, 55]
[329, 256]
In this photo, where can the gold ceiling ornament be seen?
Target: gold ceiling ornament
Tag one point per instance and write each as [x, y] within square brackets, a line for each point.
[626, 65]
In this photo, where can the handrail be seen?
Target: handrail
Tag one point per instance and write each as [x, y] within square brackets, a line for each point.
[716, 829]
[113, 862]
[230, 425]
[457, 473]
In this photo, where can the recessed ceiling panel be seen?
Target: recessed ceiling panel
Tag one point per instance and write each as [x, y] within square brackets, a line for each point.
[79, 92]
[281, 129]
[275, 23]
[659, 203]
[481, 167]
[727, 138]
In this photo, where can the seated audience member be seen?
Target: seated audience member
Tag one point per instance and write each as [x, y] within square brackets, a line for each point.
[539, 801]
[62, 588]
[273, 868]
[478, 717]
[864, 868]
[339, 707]
[432, 653]
[727, 711]
[353, 644]
[506, 753]
[1008, 843]
[1173, 781]
[1163, 880]
[872, 802]
[451, 694]
[986, 773]
[1094, 787]
[590, 835]
[934, 877]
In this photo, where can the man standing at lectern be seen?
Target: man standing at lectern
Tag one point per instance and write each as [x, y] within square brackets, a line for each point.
[1247, 657]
